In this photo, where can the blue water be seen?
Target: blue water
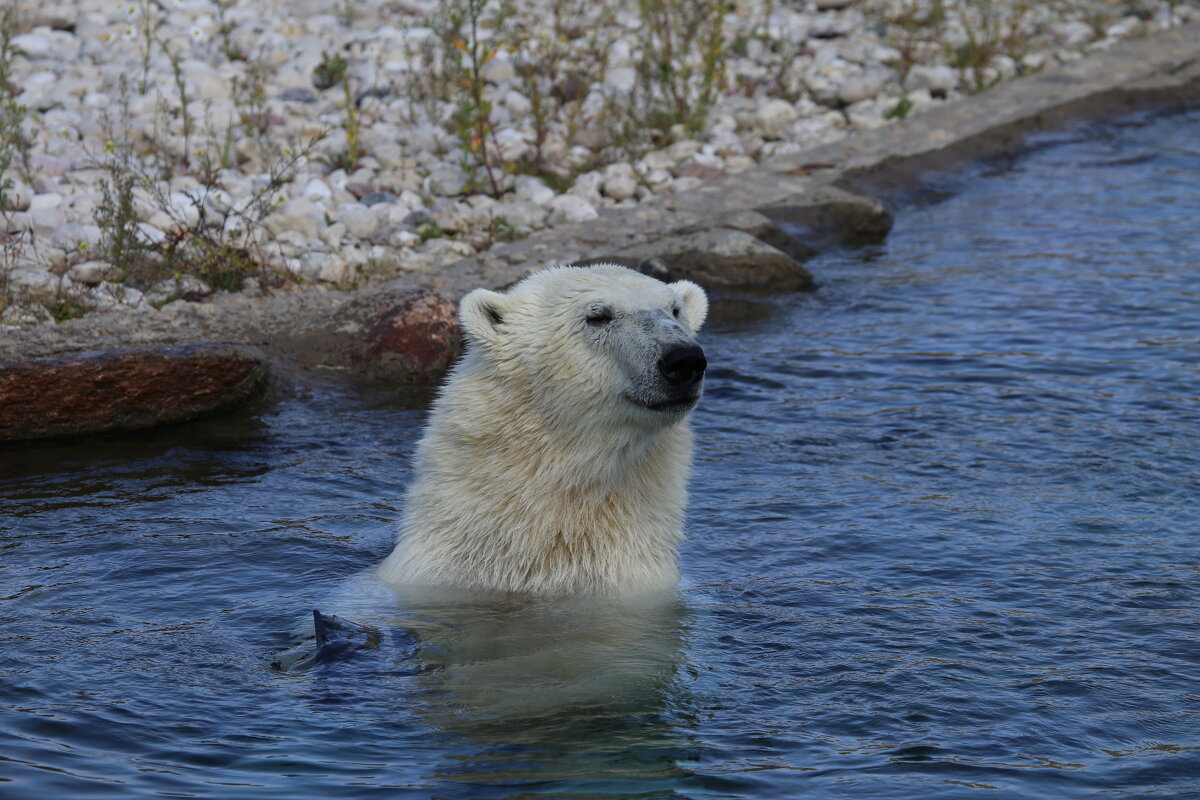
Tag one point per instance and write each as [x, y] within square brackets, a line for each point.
[943, 543]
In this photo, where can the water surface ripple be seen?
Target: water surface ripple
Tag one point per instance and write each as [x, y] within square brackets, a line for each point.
[943, 539]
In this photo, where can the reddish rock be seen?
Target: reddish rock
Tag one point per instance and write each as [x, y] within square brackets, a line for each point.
[411, 335]
[360, 189]
[123, 390]
[693, 169]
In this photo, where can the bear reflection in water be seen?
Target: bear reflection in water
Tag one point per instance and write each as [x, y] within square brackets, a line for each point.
[486, 656]
[529, 688]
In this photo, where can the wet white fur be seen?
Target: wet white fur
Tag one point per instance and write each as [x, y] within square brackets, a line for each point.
[536, 473]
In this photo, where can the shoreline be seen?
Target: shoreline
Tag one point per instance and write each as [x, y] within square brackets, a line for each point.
[727, 233]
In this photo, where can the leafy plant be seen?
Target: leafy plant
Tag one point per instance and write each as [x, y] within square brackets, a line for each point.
[473, 116]
[682, 69]
[15, 145]
[900, 110]
[430, 230]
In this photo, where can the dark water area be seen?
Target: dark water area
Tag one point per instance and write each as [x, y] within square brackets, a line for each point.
[942, 543]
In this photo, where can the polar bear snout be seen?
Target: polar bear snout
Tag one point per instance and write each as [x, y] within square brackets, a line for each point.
[682, 365]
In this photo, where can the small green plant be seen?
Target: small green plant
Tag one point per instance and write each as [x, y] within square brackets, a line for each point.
[919, 30]
[65, 306]
[216, 155]
[1099, 20]
[351, 125]
[992, 30]
[229, 48]
[221, 248]
[15, 145]
[250, 97]
[682, 69]
[900, 110]
[473, 117]
[330, 71]
[333, 70]
[181, 89]
[116, 216]
[147, 20]
[913, 25]
[556, 67]
[430, 230]
[501, 230]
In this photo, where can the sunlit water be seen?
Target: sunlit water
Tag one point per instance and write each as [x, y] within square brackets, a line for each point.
[943, 538]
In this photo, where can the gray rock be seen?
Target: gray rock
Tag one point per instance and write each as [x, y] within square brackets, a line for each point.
[360, 221]
[38, 283]
[682, 151]
[317, 189]
[373, 92]
[532, 189]
[518, 104]
[46, 221]
[861, 87]
[396, 236]
[1074, 32]
[51, 166]
[16, 197]
[91, 273]
[520, 214]
[304, 225]
[867, 114]
[150, 234]
[569, 208]
[937, 80]
[108, 295]
[377, 198]
[760, 226]
[828, 214]
[723, 257]
[446, 180]
[659, 159]
[46, 200]
[774, 116]
[622, 79]
[418, 217]
[620, 182]
[447, 251]
[341, 268]
[658, 180]
[16, 222]
[185, 287]
[681, 185]
[33, 45]
[498, 70]
[69, 237]
[21, 314]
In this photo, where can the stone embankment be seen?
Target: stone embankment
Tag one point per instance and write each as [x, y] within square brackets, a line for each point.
[730, 229]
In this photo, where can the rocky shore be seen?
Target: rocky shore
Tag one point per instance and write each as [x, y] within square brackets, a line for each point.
[170, 153]
[152, 287]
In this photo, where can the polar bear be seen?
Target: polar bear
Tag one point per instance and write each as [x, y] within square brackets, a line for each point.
[556, 455]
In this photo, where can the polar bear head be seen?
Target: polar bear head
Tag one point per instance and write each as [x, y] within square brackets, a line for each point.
[599, 343]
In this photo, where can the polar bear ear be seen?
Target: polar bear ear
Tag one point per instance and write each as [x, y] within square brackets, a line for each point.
[694, 300]
[482, 314]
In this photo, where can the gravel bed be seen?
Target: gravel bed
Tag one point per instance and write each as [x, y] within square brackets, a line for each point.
[270, 145]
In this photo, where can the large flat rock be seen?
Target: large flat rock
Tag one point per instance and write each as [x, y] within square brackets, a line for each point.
[124, 390]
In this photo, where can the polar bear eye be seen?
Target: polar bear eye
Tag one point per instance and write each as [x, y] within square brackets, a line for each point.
[675, 312]
[599, 315]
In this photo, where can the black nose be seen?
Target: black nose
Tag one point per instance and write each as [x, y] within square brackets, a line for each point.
[683, 365]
